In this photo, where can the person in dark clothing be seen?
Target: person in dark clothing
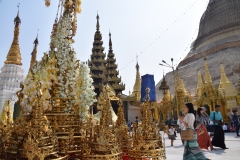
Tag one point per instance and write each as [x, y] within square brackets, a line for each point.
[236, 122]
[136, 120]
[218, 138]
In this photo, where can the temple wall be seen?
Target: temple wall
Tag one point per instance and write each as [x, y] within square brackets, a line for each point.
[133, 111]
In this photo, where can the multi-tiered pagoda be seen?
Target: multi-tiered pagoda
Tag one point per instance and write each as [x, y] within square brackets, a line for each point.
[111, 70]
[102, 70]
[98, 63]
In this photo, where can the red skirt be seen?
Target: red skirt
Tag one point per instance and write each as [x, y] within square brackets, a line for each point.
[203, 137]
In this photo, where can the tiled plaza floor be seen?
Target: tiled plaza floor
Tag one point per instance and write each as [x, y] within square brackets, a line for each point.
[231, 140]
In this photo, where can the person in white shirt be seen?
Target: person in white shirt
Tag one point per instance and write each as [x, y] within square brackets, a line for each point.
[181, 126]
[224, 127]
[171, 134]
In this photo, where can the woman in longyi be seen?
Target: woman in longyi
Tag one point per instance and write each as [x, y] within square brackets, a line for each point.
[191, 148]
[203, 137]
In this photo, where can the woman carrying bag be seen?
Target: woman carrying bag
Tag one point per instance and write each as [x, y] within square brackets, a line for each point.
[191, 148]
[203, 137]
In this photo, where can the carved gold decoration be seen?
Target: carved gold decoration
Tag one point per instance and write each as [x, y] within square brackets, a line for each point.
[147, 141]
[103, 144]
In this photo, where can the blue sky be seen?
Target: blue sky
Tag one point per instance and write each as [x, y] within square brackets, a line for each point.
[134, 25]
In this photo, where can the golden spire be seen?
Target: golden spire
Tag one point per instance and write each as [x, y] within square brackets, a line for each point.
[225, 86]
[208, 78]
[34, 53]
[14, 55]
[137, 84]
[223, 79]
[199, 84]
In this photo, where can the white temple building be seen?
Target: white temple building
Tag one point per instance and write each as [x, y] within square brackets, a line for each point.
[11, 73]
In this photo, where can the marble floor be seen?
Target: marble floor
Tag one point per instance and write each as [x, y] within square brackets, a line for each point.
[231, 140]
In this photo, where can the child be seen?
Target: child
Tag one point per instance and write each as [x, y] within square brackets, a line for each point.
[171, 134]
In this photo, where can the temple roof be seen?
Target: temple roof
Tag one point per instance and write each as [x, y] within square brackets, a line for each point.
[220, 15]
[164, 85]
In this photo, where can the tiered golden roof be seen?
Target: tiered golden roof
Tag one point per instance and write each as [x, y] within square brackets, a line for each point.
[14, 55]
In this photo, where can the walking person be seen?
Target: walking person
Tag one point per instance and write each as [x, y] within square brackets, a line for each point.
[181, 126]
[191, 148]
[236, 122]
[218, 137]
[203, 137]
[171, 134]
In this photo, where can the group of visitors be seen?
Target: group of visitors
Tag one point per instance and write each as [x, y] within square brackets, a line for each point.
[130, 124]
[198, 122]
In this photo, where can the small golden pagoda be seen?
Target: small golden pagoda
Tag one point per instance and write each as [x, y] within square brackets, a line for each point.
[147, 141]
[166, 105]
[103, 143]
[181, 95]
[34, 140]
[121, 129]
[133, 100]
[228, 90]
[208, 94]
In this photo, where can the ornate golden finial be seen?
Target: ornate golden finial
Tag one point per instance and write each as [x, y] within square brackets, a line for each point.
[137, 85]
[14, 55]
[34, 53]
[47, 3]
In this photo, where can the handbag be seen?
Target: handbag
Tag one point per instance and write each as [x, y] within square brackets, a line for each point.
[211, 128]
[187, 134]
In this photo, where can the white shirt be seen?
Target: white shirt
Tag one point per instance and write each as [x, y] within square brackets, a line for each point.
[224, 127]
[181, 125]
[189, 119]
[171, 131]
